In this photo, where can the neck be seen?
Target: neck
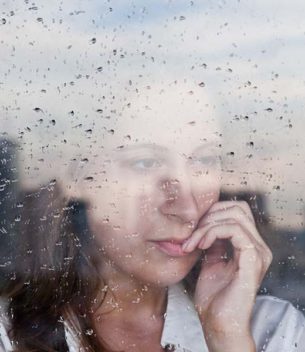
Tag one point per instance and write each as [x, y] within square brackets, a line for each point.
[130, 298]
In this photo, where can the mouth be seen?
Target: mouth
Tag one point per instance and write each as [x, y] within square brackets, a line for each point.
[173, 248]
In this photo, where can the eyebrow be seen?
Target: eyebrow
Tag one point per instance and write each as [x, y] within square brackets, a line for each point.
[150, 146]
[160, 148]
[204, 146]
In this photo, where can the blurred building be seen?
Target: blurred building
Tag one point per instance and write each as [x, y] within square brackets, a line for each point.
[9, 205]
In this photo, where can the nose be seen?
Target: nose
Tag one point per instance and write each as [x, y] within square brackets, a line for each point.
[179, 203]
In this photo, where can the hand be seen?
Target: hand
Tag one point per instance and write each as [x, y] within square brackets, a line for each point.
[235, 262]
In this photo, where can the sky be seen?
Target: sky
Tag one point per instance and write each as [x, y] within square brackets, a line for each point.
[59, 58]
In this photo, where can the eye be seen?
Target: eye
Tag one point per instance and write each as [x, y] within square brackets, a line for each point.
[145, 164]
[211, 161]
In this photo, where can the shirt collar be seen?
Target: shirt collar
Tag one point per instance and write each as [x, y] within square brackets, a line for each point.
[182, 327]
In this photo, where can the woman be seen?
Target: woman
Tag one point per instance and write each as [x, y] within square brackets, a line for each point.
[104, 265]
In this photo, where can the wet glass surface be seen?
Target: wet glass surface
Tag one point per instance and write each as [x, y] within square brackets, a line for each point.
[130, 118]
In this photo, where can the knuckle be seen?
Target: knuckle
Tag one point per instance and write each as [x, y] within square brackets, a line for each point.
[243, 210]
[269, 256]
[246, 208]
[260, 266]
[238, 209]
[244, 204]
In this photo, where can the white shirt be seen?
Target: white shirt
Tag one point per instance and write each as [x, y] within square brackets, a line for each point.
[276, 326]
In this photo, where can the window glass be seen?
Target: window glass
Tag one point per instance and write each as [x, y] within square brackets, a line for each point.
[131, 118]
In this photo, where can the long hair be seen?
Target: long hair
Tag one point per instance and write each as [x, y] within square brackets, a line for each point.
[56, 279]
[56, 274]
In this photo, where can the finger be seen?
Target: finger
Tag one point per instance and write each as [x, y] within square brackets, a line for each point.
[199, 234]
[236, 210]
[220, 251]
[236, 213]
[192, 243]
[247, 252]
[225, 205]
[240, 239]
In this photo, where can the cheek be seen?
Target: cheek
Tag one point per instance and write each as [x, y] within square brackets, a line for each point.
[207, 191]
[129, 204]
[139, 210]
[207, 199]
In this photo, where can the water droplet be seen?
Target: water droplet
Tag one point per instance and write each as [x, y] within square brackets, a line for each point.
[89, 332]
[89, 178]
[3, 230]
[17, 218]
[68, 259]
[136, 301]
[37, 109]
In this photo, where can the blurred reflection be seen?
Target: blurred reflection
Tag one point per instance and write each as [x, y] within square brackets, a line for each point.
[101, 249]
[132, 145]
[9, 212]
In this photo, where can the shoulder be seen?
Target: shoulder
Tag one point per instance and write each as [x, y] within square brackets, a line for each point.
[5, 344]
[276, 322]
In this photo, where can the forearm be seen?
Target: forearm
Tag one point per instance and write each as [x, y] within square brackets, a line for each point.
[226, 342]
[227, 335]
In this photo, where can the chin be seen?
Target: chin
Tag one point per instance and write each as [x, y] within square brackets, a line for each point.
[166, 276]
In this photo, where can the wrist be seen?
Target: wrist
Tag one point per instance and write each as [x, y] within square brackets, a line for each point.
[229, 342]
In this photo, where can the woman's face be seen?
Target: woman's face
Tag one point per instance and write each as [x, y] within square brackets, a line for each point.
[155, 177]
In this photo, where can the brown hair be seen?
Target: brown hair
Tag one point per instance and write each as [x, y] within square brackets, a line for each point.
[55, 274]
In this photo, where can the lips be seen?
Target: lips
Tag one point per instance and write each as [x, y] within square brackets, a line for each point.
[171, 247]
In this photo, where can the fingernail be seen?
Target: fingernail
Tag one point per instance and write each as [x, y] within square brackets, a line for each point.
[185, 245]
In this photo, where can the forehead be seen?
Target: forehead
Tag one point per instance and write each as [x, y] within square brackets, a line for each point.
[175, 116]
